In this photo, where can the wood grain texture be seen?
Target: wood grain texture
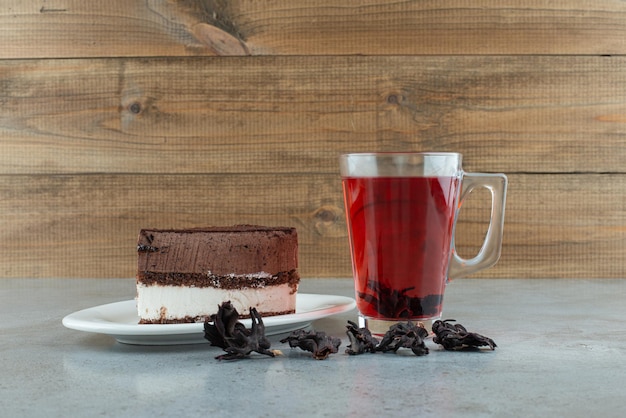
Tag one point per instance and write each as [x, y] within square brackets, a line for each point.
[557, 225]
[116, 115]
[285, 114]
[87, 225]
[114, 28]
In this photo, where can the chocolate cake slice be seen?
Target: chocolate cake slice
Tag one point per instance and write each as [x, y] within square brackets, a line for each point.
[184, 275]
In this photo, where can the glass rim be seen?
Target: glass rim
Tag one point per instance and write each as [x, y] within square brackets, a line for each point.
[400, 164]
[392, 153]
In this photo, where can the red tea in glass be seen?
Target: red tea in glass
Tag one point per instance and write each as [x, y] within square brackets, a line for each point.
[401, 211]
[401, 231]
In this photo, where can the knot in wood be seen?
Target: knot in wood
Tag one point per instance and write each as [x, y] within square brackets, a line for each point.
[326, 214]
[135, 108]
[394, 99]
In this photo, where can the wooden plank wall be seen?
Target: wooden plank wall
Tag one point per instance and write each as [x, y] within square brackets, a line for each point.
[117, 115]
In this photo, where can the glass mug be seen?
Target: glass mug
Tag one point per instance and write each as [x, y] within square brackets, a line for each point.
[401, 212]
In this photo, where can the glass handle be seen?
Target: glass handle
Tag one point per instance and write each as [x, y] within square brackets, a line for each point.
[490, 251]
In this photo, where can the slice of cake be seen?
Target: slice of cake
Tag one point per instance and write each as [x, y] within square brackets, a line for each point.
[184, 275]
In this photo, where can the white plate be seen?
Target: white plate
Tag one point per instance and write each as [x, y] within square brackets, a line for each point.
[120, 320]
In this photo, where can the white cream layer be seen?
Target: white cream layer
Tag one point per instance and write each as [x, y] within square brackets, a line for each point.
[177, 302]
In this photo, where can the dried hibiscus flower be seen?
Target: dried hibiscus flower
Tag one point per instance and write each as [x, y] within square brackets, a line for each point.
[407, 335]
[224, 330]
[456, 337]
[318, 343]
[400, 335]
[361, 340]
[396, 303]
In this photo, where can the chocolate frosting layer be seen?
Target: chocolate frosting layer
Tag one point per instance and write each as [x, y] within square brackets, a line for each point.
[239, 249]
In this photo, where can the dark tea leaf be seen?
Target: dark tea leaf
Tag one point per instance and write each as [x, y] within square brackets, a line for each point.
[407, 335]
[361, 340]
[456, 337]
[394, 303]
[224, 330]
[400, 335]
[318, 343]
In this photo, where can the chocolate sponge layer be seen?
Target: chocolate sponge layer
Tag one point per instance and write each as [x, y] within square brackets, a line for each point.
[229, 281]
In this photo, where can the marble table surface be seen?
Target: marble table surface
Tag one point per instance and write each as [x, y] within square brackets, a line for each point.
[561, 352]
